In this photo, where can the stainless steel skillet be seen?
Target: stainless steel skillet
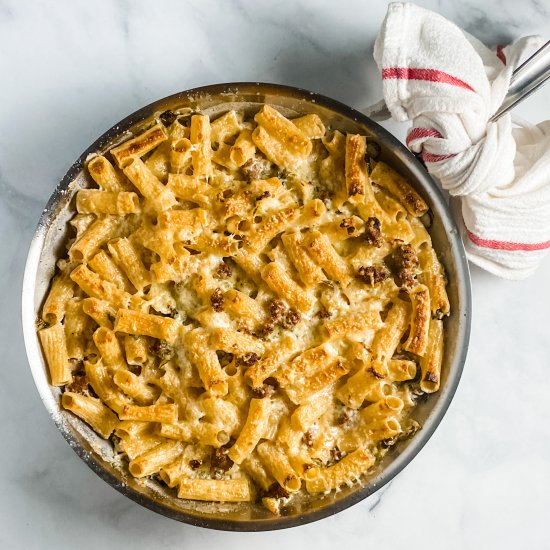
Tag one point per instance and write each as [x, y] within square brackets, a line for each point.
[49, 241]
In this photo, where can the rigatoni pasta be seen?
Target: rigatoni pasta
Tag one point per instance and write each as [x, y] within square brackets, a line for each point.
[249, 308]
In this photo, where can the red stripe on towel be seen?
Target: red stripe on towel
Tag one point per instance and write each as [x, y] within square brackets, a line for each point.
[429, 157]
[430, 75]
[505, 245]
[500, 53]
[417, 133]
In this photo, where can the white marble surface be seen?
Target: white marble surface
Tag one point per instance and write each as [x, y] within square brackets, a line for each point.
[69, 70]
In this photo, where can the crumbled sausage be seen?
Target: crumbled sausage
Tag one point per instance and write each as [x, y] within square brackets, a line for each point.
[308, 438]
[220, 461]
[168, 117]
[248, 359]
[348, 225]
[265, 330]
[260, 392]
[256, 168]
[406, 265]
[372, 232]
[373, 274]
[194, 463]
[224, 270]
[344, 416]
[216, 299]
[265, 390]
[79, 383]
[277, 310]
[162, 349]
[268, 388]
[290, 319]
[279, 314]
[276, 491]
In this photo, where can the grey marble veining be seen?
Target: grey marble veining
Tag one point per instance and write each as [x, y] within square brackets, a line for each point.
[70, 69]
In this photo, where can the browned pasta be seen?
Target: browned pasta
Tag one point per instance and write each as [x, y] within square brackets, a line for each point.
[254, 303]
[145, 324]
[347, 470]
[100, 311]
[60, 293]
[55, 349]
[201, 139]
[430, 364]
[181, 156]
[283, 285]
[109, 347]
[153, 460]
[271, 361]
[138, 146]
[319, 381]
[235, 342]
[93, 201]
[98, 233]
[78, 327]
[220, 490]
[253, 429]
[309, 271]
[386, 177]
[126, 256]
[166, 414]
[271, 227]
[321, 250]
[102, 263]
[206, 361]
[159, 196]
[93, 285]
[356, 169]
[352, 324]
[102, 419]
[279, 466]
[105, 175]
[417, 342]
[243, 149]
[136, 349]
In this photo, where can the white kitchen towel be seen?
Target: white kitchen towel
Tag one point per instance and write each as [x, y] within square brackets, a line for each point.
[449, 85]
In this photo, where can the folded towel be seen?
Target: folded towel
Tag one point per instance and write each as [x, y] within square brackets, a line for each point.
[449, 85]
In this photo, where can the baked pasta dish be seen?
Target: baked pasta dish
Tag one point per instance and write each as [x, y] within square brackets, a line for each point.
[250, 307]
